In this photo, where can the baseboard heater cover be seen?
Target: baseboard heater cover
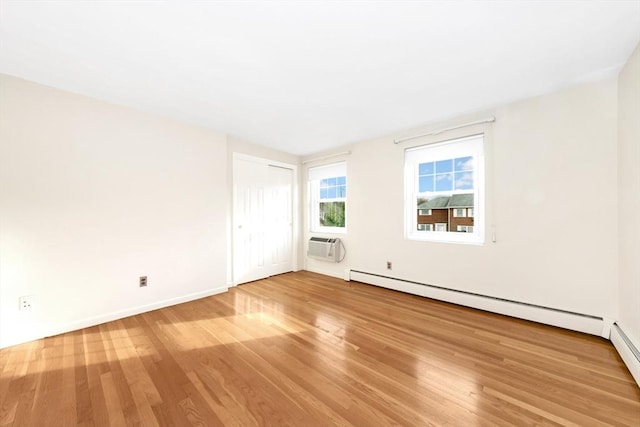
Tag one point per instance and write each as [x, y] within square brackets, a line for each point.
[627, 350]
[550, 316]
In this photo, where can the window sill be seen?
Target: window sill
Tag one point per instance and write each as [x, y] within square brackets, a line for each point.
[444, 238]
[329, 230]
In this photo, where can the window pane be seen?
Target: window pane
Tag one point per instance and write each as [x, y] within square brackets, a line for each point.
[464, 163]
[328, 183]
[464, 181]
[426, 168]
[426, 183]
[445, 178]
[444, 166]
[444, 181]
[332, 214]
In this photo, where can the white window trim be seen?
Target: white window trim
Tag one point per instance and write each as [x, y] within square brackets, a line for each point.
[429, 213]
[458, 147]
[315, 175]
[455, 212]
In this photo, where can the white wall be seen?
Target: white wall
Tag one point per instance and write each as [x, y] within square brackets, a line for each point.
[629, 196]
[236, 145]
[551, 165]
[93, 196]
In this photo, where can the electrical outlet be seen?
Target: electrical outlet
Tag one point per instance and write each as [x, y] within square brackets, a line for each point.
[26, 302]
[388, 265]
[143, 281]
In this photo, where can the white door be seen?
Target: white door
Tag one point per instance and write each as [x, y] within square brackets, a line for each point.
[249, 179]
[262, 219]
[279, 219]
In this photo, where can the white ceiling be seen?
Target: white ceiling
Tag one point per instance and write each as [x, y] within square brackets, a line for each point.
[306, 76]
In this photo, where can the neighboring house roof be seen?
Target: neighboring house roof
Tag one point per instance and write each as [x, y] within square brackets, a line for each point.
[439, 202]
[443, 202]
[461, 201]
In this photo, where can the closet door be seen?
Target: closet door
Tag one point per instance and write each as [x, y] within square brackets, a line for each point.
[279, 219]
[262, 219]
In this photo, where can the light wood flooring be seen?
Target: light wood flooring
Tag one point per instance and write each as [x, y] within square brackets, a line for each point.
[303, 349]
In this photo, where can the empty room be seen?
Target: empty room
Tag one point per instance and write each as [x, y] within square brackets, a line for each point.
[319, 213]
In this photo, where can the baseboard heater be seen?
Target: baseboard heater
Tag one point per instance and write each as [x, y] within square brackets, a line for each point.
[627, 350]
[551, 316]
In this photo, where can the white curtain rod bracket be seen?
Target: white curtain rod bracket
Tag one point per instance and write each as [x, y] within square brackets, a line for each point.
[437, 132]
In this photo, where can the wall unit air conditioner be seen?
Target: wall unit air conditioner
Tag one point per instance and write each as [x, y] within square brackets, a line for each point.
[324, 249]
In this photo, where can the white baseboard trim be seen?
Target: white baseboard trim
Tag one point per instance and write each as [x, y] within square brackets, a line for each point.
[30, 336]
[564, 319]
[327, 273]
[109, 317]
[116, 315]
[627, 350]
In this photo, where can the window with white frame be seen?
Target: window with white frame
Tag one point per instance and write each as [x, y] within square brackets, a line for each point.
[328, 198]
[425, 227]
[459, 212]
[424, 212]
[447, 176]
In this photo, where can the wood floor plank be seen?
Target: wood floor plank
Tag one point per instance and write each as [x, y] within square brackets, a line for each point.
[81, 399]
[302, 349]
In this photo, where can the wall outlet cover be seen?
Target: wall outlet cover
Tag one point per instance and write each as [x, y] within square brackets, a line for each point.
[26, 302]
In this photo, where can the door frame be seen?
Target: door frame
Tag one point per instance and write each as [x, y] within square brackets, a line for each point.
[295, 214]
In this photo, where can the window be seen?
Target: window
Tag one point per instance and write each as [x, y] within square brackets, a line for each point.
[447, 180]
[424, 212]
[441, 226]
[425, 227]
[328, 197]
[459, 213]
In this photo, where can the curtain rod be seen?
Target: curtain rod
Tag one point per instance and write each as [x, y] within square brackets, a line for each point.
[489, 120]
[325, 157]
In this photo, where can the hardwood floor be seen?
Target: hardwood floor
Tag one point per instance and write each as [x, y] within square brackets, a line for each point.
[303, 349]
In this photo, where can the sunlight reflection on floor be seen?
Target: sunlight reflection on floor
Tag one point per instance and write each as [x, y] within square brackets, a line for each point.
[233, 329]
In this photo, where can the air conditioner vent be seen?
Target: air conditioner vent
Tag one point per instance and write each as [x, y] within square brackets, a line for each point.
[324, 249]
